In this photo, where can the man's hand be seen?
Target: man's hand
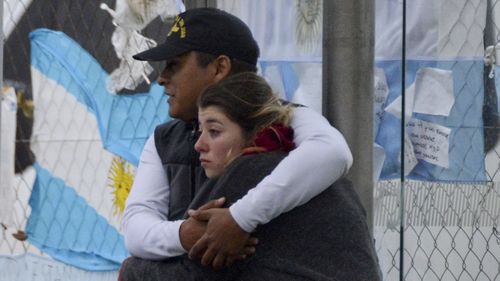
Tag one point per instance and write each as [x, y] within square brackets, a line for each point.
[191, 230]
[224, 241]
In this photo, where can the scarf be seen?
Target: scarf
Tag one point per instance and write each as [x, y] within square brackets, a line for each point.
[274, 137]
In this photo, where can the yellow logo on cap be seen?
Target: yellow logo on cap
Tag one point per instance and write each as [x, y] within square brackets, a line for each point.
[178, 25]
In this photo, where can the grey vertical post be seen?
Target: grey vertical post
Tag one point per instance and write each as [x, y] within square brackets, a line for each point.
[190, 4]
[348, 60]
[1, 46]
[1, 65]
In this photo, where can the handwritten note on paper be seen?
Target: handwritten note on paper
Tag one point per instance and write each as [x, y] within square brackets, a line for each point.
[430, 141]
[380, 95]
[410, 159]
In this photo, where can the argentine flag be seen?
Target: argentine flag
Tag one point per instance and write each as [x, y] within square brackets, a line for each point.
[79, 131]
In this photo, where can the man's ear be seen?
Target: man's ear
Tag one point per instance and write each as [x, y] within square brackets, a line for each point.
[222, 67]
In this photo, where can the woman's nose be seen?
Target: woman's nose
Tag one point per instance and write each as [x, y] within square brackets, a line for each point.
[200, 145]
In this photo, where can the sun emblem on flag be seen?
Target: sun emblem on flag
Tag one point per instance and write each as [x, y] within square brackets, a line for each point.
[121, 180]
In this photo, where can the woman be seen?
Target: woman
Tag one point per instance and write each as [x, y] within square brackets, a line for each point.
[244, 135]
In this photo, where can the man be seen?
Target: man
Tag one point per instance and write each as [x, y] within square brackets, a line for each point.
[204, 46]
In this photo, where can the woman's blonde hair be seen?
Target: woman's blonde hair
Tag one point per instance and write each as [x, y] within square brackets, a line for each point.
[248, 100]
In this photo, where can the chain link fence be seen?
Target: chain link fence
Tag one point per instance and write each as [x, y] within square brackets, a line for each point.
[449, 229]
[63, 189]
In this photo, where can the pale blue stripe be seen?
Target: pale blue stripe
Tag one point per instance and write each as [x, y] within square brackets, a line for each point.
[63, 225]
[125, 122]
[289, 77]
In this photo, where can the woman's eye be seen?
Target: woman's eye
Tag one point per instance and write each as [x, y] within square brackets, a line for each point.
[213, 133]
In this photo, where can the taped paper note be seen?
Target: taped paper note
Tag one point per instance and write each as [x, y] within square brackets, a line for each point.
[434, 91]
[410, 159]
[430, 141]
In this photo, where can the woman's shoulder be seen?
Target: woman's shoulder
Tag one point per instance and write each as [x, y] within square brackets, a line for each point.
[258, 159]
[253, 165]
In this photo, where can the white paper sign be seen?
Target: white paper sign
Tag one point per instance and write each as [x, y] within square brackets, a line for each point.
[380, 95]
[434, 91]
[430, 141]
[410, 159]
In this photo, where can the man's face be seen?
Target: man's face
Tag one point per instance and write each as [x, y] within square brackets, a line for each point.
[184, 80]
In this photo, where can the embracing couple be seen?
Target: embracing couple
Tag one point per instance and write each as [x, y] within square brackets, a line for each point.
[240, 186]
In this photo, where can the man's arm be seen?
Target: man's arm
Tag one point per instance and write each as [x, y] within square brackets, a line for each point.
[148, 233]
[322, 156]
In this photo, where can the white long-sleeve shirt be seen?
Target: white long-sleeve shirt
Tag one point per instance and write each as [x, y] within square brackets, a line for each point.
[322, 156]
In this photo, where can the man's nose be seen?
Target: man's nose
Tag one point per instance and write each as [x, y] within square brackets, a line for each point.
[164, 78]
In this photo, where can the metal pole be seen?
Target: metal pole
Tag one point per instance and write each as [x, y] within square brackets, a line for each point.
[190, 4]
[348, 61]
[1, 48]
[1, 70]
[403, 130]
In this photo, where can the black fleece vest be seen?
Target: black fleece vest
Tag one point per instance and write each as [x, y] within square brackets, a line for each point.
[174, 142]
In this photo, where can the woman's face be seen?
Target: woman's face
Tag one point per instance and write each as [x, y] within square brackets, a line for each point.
[220, 142]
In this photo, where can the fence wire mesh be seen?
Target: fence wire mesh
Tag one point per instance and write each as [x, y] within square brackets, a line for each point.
[60, 133]
[451, 230]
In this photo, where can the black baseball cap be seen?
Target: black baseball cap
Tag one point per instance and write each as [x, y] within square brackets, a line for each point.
[207, 30]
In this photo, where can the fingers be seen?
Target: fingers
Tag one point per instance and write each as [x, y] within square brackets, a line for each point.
[219, 261]
[231, 259]
[252, 241]
[208, 257]
[200, 215]
[217, 203]
[248, 250]
[198, 248]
